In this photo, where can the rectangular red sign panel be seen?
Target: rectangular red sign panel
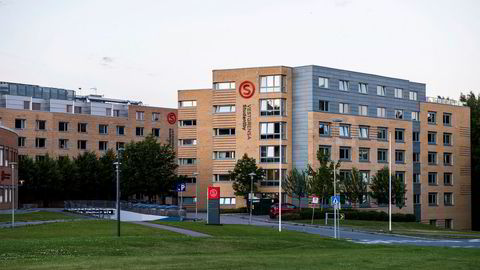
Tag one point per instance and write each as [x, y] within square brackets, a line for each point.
[213, 193]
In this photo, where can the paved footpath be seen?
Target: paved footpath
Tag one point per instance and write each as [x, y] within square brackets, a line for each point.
[170, 228]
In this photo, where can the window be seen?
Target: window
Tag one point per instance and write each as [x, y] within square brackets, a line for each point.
[155, 116]
[120, 146]
[345, 153]
[82, 144]
[382, 133]
[432, 199]
[275, 83]
[413, 95]
[432, 178]
[40, 142]
[103, 129]
[365, 176]
[1, 155]
[224, 108]
[344, 130]
[416, 157]
[362, 110]
[345, 174]
[399, 114]
[380, 90]
[190, 180]
[21, 141]
[69, 108]
[415, 116]
[39, 158]
[448, 223]
[187, 161]
[26, 105]
[224, 85]
[416, 178]
[381, 112]
[116, 113]
[63, 126]
[120, 130]
[272, 177]
[382, 155]
[272, 130]
[447, 179]
[63, 143]
[325, 150]
[343, 107]
[400, 176]
[223, 154]
[224, 131]
[432, 158]
[432, 118]
[399, 156]
[139, 131]
[448, 198]
[447, 159]
[77, 109]
[416, 136]
[187, 123]
[221, 178]
[102, 145]
[187, 142]
[187, 103]
[322, 82]
[324, 129]
[447, 119]
[323, 106]
[416, 198]
[82, 127]
[433, 222]
[272, 107]
[36, 106]
[343, 85]
[432, 137]
[108, 111]
[41, 124]
[398, 92]
[156, 132]
[140, 116]
[227, 201]
[447, 139]
[399, 135]
[271, 154]
[362, 88]
[20, 123]
[363, 132]
[364, 154]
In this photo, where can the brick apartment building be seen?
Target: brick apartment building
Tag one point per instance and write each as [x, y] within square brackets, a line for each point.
[282, 115]
[8, 157]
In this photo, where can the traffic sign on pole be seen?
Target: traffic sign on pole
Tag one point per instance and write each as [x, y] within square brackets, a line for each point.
[181, 187]
[335, 200]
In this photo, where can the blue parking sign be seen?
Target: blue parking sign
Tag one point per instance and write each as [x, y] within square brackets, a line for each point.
[181, 187]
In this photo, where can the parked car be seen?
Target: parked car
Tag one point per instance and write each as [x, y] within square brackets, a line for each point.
[286, 208]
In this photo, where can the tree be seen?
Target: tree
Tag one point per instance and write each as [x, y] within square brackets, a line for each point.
[70, 183]
[473, 102]
[26, 172]
[354, 187]
[47, 181]
[379, 188]
[148, 168]
[106, 176]
[296, 184]
[241, 178]
[321, 181]
[86, 187]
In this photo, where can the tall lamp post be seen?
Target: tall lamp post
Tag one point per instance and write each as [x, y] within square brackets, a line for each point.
[117, 166]
[195, 175]
[390, 182]
[13, 193]
[335, 207]
[251, 195]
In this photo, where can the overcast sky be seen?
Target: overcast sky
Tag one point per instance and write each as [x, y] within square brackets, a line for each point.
[147, 50]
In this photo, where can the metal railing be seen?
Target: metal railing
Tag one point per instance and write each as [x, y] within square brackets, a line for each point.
[446, 101]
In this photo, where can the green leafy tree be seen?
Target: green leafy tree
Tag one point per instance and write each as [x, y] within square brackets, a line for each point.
[70, 184]
[296, 185]
[321, 179]
[106, 175]
[354, 187]
[148, 168]
[26, 172]
[379, 188]
[87, 185]
[241, 178]
[47, 181]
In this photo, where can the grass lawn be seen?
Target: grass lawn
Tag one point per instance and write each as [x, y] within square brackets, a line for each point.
[407, 228]
[35, 216]
[92, 245]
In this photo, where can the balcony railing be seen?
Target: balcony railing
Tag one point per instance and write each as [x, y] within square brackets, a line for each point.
[446, 101]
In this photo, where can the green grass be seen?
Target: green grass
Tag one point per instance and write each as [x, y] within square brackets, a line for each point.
[35, 216]
[93, 245]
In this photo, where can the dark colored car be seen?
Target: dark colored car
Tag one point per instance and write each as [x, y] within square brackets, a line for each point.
[286, 208]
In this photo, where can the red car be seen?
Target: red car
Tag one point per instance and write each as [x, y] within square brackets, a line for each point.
[286, 208]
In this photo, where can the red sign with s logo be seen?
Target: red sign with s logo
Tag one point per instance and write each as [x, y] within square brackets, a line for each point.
[246, 89]
[171, 118]
[213, 193]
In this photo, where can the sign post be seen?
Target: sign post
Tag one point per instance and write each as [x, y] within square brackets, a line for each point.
[314, 203]
[335, 202]
[181, 188]
[213, 206]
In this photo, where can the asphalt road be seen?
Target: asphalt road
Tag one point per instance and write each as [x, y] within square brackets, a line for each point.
[355, 236]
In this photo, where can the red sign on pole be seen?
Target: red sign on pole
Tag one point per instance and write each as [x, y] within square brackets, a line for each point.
[246, 89]
[213, 193]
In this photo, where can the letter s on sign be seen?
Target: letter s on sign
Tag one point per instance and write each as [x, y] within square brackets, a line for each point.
[246, 89]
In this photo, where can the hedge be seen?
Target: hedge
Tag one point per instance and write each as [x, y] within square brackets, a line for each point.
[350, 215]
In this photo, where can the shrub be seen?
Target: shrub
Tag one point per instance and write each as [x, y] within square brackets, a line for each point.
[292, 216]
[233, 210]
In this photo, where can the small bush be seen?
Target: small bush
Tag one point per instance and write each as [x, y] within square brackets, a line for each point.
[292, 216]
[233, 210]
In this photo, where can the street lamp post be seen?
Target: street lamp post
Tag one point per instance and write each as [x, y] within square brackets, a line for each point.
[335, 207]
[195, 175]
[117, 164]
[13, 193]
[251, 195]
[390, 182]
